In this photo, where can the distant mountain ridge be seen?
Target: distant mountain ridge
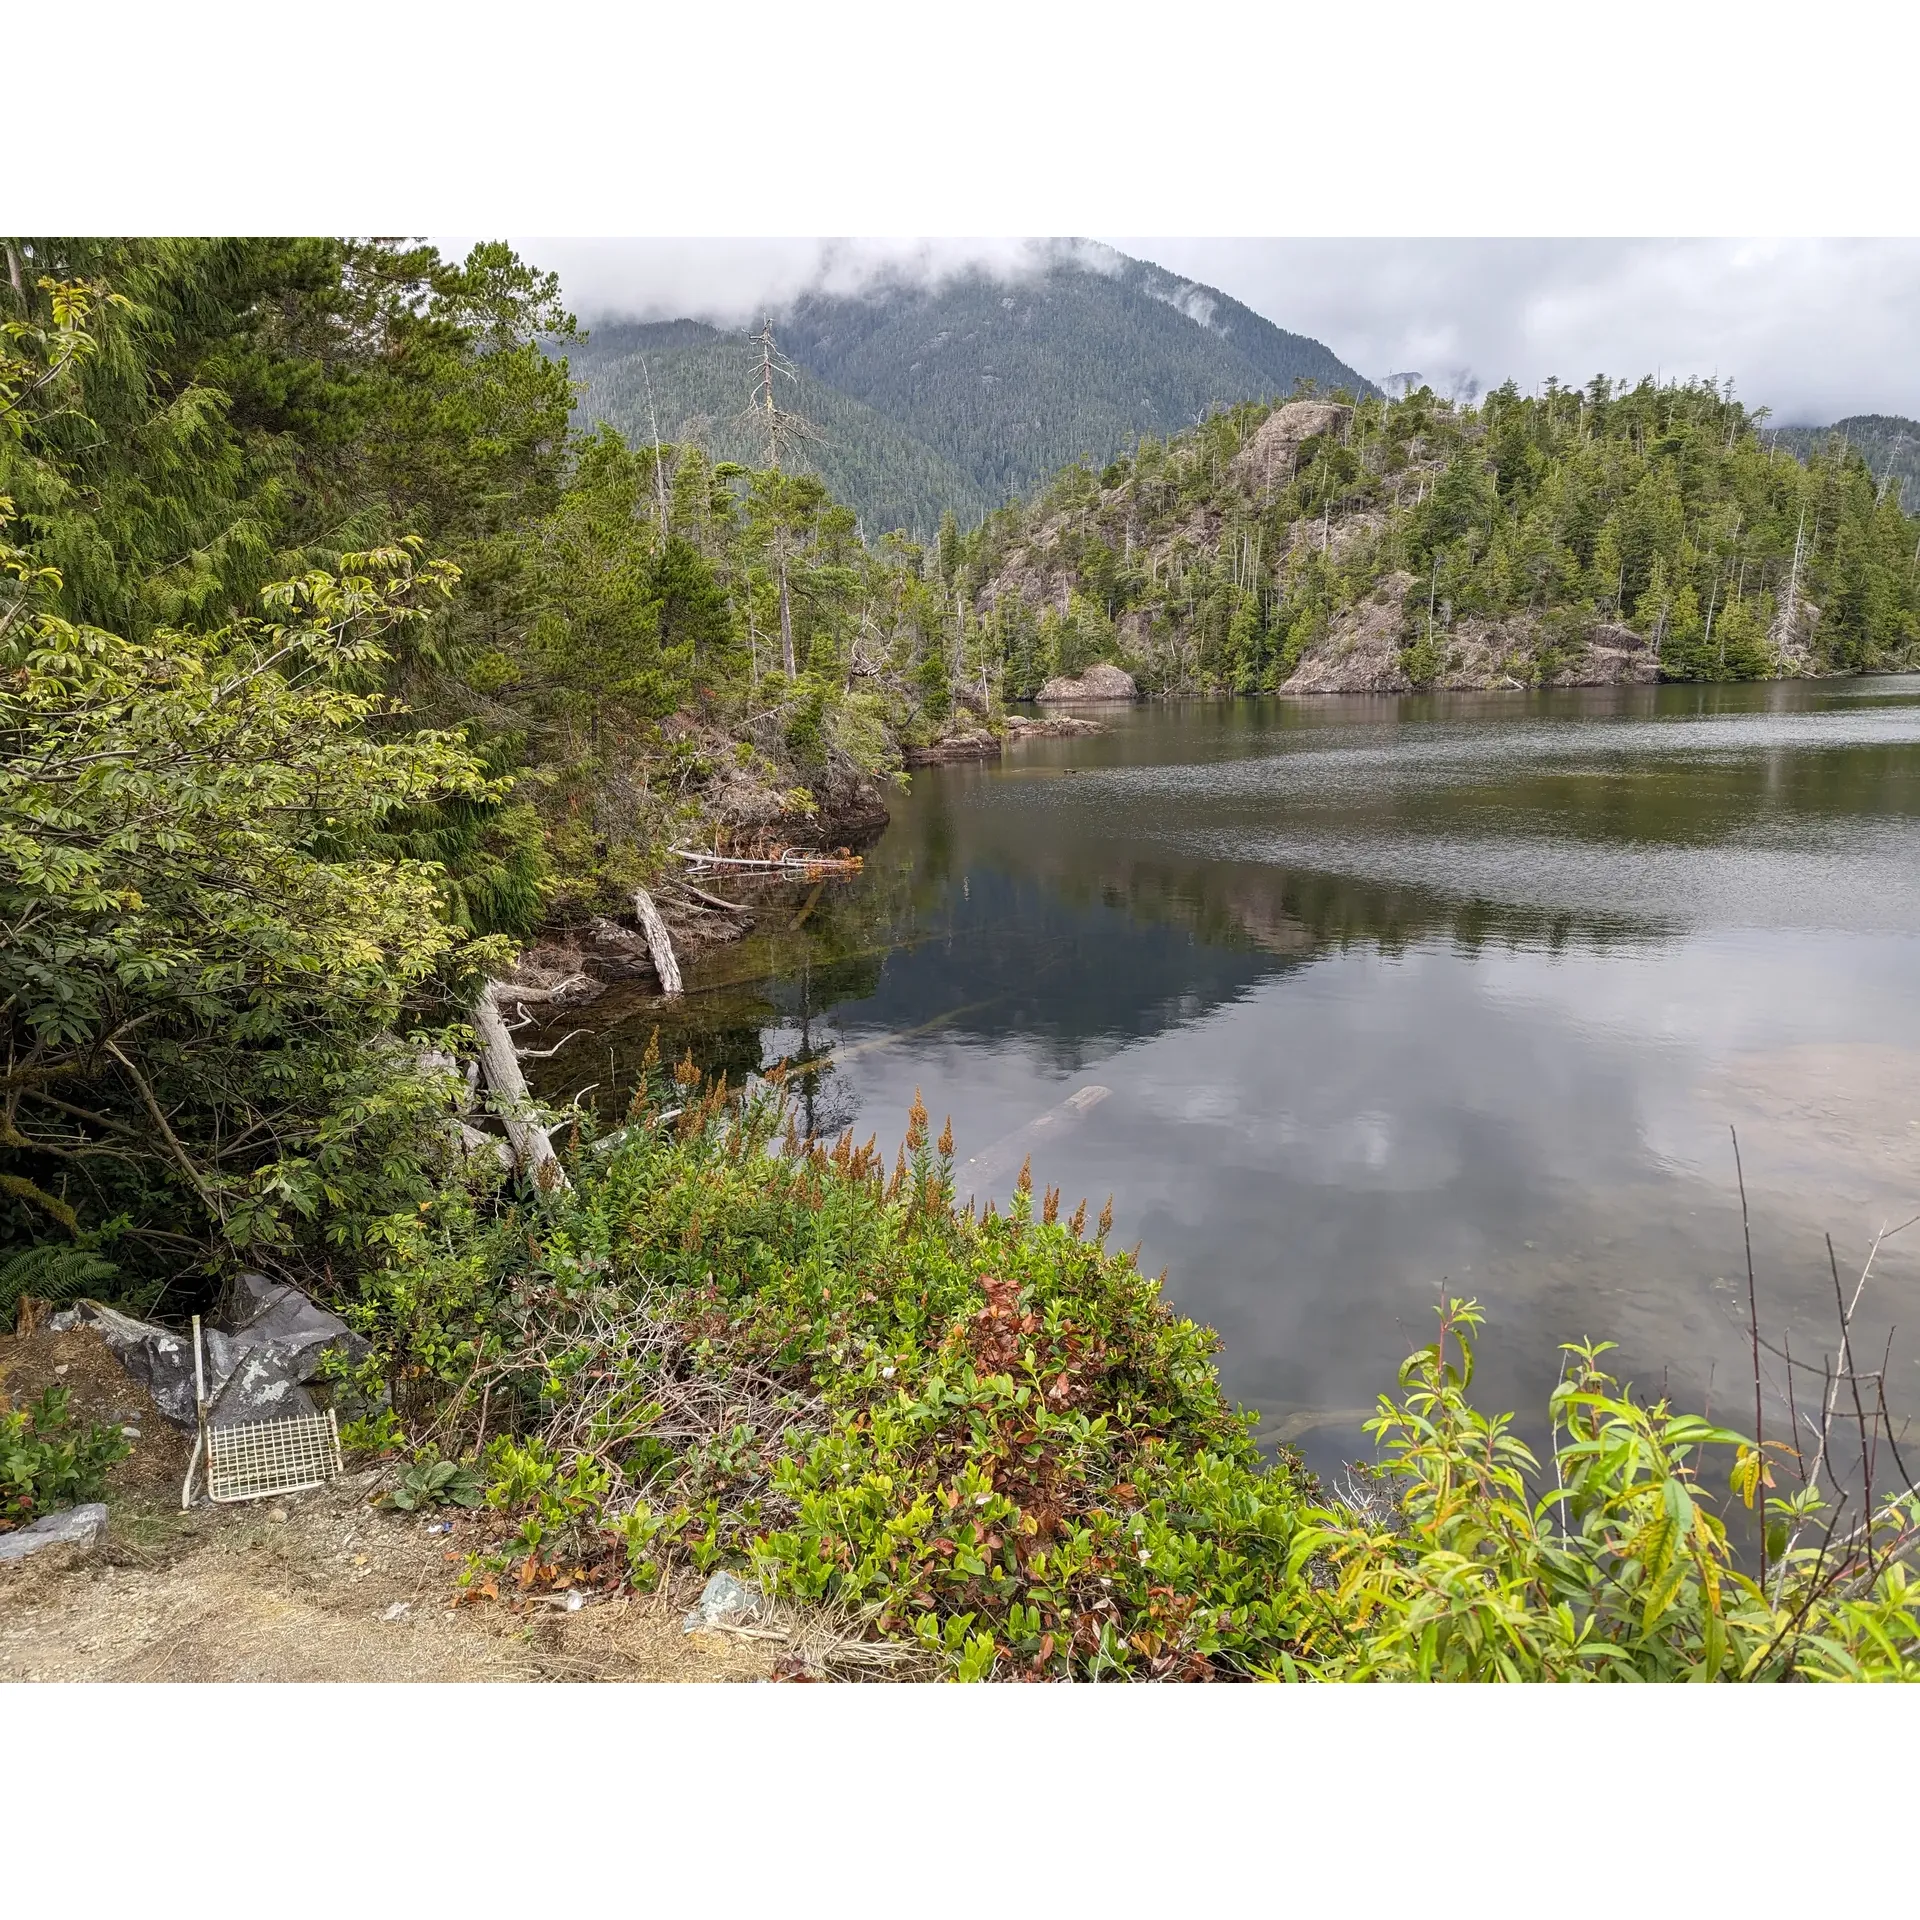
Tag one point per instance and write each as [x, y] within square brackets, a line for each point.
[701, 382]
[1889, 442]
[972, 391]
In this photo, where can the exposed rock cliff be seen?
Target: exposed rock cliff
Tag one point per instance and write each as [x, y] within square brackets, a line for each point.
[1097, 683]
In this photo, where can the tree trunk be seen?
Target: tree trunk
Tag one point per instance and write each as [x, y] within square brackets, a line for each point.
[786, 623]
[659, 941]
[500, 1062]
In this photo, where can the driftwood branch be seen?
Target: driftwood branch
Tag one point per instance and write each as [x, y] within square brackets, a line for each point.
[712, 899]
[659, 941]
[787, 861]
[507, 993]
[547, 1053]
[179, 1152]
[500, 1062]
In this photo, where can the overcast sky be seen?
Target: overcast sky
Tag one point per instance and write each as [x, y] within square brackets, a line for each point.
[1813, 329]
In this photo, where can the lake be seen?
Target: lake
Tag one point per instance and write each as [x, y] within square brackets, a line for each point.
[1344, 1000]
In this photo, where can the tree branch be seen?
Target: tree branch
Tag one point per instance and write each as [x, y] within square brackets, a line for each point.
[187, 1167]
[24, 1189]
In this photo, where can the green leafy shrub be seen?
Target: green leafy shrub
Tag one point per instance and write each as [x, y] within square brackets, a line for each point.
[1615, 1567]
[988, 1435]
[47, 1461]
[991, 1437]
[437, 1483]
[557, 1506]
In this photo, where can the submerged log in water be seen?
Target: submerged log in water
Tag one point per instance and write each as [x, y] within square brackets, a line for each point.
[992, 1164]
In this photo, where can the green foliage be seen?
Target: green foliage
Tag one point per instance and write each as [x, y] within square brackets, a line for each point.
[437, 1483]
[555, 1505]
[50, 1270]
[47, 1461]
[248, 408]
[205, 964]
[1618, 1569]
[196, 419]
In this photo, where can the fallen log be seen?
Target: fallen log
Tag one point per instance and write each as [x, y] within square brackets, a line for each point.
[659, 941]
[507, 993]
[993, 1163]
[787, 861]
[500, 1063]
[712, 899]
[470, 1141]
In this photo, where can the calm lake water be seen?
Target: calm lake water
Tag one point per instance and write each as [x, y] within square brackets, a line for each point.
[1346, 999]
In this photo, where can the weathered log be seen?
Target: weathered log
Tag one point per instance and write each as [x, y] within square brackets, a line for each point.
[659, 941]
[787, 861]
[712, 899]
[500, 1062]
[468, 1141]
[507, 993]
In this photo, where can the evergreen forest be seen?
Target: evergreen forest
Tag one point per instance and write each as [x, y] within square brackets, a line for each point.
[1485, 546]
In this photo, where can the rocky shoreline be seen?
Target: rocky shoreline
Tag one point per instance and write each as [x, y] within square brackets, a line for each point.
[977, 743]
[1365, 652]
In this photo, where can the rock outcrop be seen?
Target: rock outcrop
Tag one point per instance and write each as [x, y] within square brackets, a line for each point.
[964, 743]
[1266, 462]
[1097, 683]
[1361, 653]
[1056, 726]
[1364, 651]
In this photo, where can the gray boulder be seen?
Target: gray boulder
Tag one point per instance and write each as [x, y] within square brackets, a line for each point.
[1103, 682]
[75, 1527]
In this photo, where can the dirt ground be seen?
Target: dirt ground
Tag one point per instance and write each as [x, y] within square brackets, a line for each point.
[316, 1586]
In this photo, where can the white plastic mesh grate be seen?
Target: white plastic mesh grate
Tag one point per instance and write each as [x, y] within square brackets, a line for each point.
[272, 1456]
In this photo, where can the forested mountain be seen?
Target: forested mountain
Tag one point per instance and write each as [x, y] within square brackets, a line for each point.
[1889, 444]
[1586, 534]
[964, 395]
[1013, 379]
[702, 382]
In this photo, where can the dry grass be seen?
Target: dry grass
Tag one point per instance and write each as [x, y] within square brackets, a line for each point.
[233, 1594]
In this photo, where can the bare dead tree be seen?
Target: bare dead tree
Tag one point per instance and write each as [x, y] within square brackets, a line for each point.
[659, 459]
[784, 428]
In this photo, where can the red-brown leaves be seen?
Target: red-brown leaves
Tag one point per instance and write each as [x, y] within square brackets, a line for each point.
[1000, 1332]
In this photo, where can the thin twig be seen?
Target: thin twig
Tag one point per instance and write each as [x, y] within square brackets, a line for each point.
[1753, 1324]
[1853, 1383]
[192, 1172]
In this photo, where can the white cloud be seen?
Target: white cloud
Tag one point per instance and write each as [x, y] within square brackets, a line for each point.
[1813, 329]
[732, 280]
